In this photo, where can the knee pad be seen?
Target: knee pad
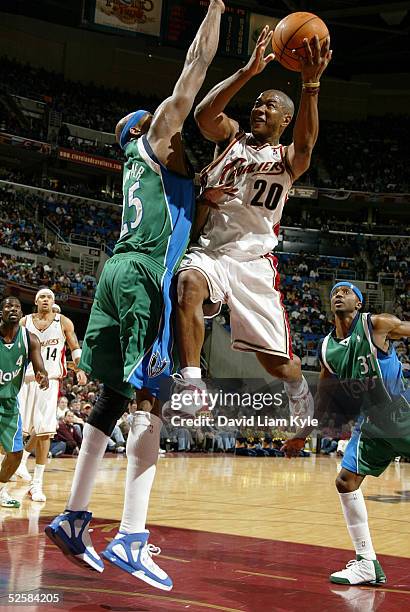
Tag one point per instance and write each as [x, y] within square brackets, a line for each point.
[108, 408]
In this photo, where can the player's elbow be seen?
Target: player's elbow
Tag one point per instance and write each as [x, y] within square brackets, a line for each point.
[200, 116]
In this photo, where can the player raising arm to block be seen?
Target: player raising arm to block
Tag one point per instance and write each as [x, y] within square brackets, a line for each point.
[17, 347]
[359, 354]
[128, 340]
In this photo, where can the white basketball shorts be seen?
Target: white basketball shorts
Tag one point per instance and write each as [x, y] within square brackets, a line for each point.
[258, 318]
[38, 407]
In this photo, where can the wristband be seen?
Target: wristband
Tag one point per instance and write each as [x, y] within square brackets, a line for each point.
[76, 354]
[311, 85]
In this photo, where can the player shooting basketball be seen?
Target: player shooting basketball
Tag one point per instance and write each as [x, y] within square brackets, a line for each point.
[245, 190]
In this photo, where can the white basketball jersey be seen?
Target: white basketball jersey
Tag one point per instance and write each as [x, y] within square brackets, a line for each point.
[246, 225]
[52, 341]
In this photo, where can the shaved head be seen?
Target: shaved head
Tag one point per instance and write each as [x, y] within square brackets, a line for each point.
[286, 103]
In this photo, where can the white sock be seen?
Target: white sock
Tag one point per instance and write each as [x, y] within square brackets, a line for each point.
[38, 474]
[24, 458]
[355, 512]
[142, 454]
[296, 389]
[190, 373]
[91, 453]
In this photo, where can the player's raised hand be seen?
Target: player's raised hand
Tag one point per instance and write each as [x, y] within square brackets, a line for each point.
[292, 447]
[81, 377]
[315, 60]
[218, 3]
[214, 196]
[42, 380]
[258, 61]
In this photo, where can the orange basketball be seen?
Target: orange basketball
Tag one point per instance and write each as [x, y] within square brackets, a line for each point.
[289, 34]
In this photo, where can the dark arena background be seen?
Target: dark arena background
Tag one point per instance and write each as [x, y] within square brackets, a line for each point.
[241, 527]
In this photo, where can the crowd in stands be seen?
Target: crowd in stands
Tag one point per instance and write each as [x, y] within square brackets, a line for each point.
[17, 231]
[369, 155]
[71, 217]
[53, 183]
[61, 282]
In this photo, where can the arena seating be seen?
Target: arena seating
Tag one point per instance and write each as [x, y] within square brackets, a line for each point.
[359, 155]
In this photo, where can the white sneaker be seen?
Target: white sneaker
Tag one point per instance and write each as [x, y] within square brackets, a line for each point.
[360, 571]
[23, 473]
[6, 501]
[302, 406]
[188, 399]
[36, 493]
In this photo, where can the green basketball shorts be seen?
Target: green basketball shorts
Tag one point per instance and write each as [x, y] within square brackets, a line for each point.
[11, 428]
[371, 456]
[124, 320]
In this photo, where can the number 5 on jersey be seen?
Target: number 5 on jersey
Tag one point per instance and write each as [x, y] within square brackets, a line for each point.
[132, 213]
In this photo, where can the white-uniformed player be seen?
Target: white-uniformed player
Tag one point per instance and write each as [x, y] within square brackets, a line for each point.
[245, 190]
[38, 410]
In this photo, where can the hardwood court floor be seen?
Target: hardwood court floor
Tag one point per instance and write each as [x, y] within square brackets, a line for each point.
[237, 534]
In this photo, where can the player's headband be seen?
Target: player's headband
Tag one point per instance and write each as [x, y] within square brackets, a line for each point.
[47, 291]
[132, 122]
[351, 286]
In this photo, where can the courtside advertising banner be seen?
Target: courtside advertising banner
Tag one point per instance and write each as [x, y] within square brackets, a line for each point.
[139, 16]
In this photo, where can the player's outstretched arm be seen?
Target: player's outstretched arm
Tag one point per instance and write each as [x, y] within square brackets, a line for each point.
[214, 124]
[306, 128]
[390, 326]
[37, 361]
[74, 346]
[171, 114]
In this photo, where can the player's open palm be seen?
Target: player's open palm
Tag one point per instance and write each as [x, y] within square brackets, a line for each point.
[220, 4]
[258, 61]
[315, 60]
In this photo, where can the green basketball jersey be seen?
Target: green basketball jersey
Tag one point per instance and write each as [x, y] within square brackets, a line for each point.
[13, 362]
[158, 207]
[369, 376]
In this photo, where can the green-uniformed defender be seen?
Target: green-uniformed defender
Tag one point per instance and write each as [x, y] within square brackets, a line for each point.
[128, 342]
[358, 353]
[17, 347]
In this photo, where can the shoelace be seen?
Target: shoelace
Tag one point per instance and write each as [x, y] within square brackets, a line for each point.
[146, 556]
[352, 562]
[153, 550]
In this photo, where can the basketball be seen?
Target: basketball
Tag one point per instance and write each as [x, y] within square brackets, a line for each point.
[289, 34]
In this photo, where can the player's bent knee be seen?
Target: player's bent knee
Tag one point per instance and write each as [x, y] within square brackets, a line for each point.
[15, 456]
[192, 288]
[296, 361]
[346, 482]
[107, 410]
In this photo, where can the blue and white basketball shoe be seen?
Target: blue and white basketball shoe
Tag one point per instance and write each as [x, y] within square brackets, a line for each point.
[132, 553]
[69, 531]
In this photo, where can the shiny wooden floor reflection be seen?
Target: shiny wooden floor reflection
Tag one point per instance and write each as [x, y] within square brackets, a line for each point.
[270, 498]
